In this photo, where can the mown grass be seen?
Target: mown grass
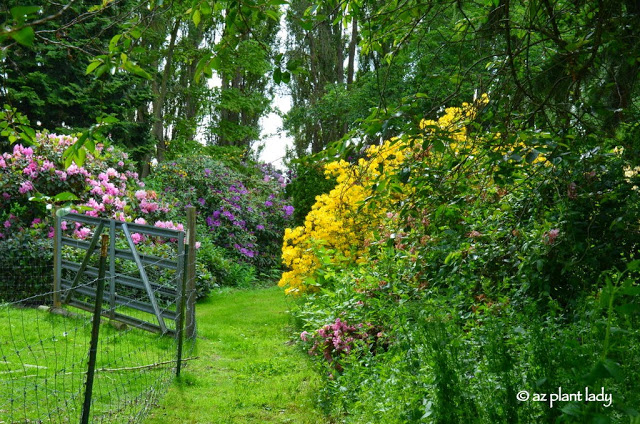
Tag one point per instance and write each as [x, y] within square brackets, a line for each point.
[247, 371]
[43, 364]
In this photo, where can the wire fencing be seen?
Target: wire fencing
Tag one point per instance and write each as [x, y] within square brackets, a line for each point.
[45, 350]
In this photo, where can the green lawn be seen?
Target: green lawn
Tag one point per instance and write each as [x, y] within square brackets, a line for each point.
[43, 363]
[247, 371]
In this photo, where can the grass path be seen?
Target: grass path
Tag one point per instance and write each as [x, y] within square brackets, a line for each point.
[247, 371]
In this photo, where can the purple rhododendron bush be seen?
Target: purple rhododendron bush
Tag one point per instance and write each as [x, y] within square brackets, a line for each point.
[241, 215]
[242, 211]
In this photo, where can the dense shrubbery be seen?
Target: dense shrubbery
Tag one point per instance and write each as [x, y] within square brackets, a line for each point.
[485, 266]
[25, 267]
[242, 214]
[241, 210]
[308, 181]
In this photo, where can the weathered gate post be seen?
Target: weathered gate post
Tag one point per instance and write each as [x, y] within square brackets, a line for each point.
[191, 273]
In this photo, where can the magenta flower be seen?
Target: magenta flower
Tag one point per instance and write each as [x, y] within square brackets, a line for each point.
[25, 187]
[550, 236]
[148, 207]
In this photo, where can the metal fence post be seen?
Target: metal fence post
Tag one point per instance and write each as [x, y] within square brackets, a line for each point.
[112, 269]
[180, 323]
[95, 330]
[191, 274]
[57, 259]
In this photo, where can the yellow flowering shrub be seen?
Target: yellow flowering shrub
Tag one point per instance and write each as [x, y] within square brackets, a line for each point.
[338, 225]
[336, 222]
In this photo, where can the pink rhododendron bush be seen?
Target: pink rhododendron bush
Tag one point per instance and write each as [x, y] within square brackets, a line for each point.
[241, 206]
[32, 180]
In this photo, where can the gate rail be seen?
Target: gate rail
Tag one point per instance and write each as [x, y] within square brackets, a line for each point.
[66, 288]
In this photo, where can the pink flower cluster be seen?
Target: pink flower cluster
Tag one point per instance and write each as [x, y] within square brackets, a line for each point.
[550, 236]
[105, 186]
[336, 340]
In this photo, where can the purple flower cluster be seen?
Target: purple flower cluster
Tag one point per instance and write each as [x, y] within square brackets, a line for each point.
[243, 211]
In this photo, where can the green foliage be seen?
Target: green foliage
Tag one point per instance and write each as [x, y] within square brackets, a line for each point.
[26, 265]
[46, 79]
[243, 96]
[15, 126]
[224, 271]
[434, 361]
[307, 182]
[508, 268]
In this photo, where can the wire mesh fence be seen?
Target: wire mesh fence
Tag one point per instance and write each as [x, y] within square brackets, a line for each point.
[44, 350]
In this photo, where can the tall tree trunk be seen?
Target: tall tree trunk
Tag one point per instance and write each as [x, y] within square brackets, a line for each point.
[160, 94]
[352, 51]
[339, 54]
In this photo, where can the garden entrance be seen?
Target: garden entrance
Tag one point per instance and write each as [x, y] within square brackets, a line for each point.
[142, 289]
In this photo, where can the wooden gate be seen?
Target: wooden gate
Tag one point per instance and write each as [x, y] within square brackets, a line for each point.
[132, 296]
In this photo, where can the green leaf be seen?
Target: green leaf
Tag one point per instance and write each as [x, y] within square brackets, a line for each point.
[80, 157]
[19, 13]
[114, 42]
[25, 36]
[136, 33]
[633, 265]
[92, 66]
[196, 17]
[28, 134]
[613, 369]
[63, 211]
[273, 14]
[532, 155]
[438, 145]
[136, 70]
[101, 70]
[306, 25]
[65, 197]
[277, 76]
